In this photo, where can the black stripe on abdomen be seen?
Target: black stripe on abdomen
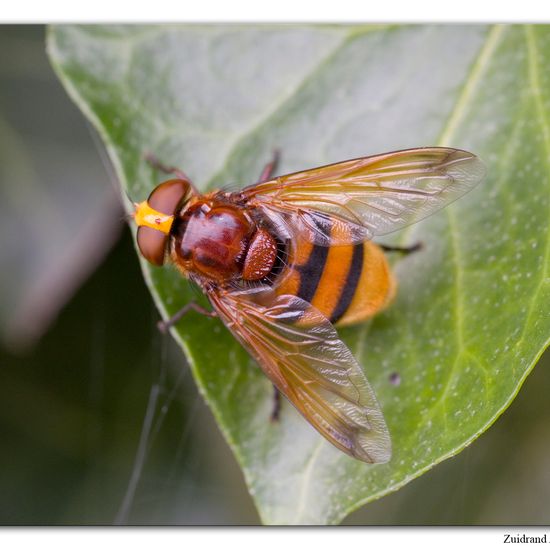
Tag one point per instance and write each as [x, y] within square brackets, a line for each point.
[311, 272]
[350, 286]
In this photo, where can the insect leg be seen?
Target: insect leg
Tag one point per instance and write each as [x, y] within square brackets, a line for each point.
[276, 405]
[158, 165]
[404, 249]
[165, 325]
[270, 167]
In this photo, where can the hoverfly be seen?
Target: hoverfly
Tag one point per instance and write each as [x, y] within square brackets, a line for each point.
[286, 260]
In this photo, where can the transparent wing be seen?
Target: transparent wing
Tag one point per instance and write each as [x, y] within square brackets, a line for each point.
[371, 195]
[300, 351]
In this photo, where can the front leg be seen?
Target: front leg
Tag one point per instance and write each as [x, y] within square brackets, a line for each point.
[164, 326]
[154, 161]
[270, 167]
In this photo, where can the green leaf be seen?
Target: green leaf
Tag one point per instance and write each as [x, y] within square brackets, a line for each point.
[471, 317]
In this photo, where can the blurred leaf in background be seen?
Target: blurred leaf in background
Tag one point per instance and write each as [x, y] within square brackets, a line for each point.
[59, 213]
[470, 320]
[73, 403]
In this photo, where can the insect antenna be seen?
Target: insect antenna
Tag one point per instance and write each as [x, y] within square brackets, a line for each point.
[113, 179]
[127, 216]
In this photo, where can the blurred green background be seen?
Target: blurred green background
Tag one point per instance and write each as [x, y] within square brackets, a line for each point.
[100, 420]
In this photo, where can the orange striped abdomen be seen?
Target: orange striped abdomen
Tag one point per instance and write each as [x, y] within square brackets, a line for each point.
[347, 283]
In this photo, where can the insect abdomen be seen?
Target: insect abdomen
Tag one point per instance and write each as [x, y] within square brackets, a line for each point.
[374, 290]
[347, 283]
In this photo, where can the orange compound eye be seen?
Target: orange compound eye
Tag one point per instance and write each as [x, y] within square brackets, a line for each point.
[152, 244]
[167, 196]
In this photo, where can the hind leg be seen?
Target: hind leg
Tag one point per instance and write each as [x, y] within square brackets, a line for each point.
[275, 413]
[403, 249]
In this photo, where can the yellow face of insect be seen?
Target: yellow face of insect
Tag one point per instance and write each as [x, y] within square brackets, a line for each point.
[149, 217]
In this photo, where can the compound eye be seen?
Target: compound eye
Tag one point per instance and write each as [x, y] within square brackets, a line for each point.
[152, 244]
[167, 196]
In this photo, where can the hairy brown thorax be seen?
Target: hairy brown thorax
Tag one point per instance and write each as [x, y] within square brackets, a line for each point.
[218, 240]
